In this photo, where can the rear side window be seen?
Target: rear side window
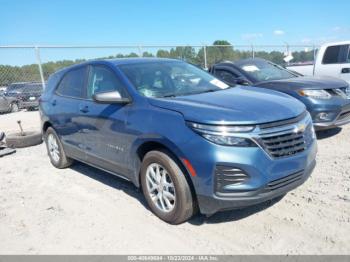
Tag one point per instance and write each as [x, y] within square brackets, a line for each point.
[72, 84]
[334, 54]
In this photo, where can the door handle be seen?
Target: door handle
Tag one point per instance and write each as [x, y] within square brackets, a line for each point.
[54, 102]
[84, 109]
[345, 70]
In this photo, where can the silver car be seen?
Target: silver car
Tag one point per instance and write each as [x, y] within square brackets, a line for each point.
[8, 103]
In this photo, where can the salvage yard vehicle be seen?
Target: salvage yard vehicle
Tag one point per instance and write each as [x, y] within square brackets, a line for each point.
[27, 93]
[29, 98]
[8, 103]
[332, 59]
[327, 99]
[183, 136]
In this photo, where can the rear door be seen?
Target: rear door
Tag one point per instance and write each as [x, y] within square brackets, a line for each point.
[103, 126]
[65, 111]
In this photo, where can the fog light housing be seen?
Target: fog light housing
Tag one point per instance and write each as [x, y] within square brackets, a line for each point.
[226, 178]
[324, 117]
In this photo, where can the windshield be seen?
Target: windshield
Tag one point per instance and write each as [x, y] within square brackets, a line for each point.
[263, 71]
[170, 78]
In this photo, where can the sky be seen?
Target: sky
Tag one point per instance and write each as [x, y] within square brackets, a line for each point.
[169, 22]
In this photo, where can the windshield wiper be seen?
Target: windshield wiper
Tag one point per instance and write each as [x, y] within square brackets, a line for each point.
[194, 93]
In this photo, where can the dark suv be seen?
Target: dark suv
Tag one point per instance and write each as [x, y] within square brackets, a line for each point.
[27, 94]
[29, 98]
[327, 99]
[183, 136]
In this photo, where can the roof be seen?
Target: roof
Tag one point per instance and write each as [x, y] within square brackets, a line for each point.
[243, 61]
[337, 43]
[137, 60]
[120, 61]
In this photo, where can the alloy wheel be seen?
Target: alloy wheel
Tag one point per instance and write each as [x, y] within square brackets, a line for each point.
[52, 145]
[160, 187]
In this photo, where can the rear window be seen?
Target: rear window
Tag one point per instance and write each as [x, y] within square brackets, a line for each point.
[72, 84]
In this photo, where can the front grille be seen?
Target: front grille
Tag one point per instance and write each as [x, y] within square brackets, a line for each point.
[284, 145]
[287, 140]
[284, 181]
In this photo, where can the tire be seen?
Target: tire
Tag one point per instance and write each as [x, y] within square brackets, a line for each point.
[14, 108]
[16, 140]
[62, 161]
[182, 207]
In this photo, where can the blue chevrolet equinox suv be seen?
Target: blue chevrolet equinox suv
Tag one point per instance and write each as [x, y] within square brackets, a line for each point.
[187, 139]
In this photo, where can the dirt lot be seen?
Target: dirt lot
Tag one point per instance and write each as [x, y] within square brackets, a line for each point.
[81, 210]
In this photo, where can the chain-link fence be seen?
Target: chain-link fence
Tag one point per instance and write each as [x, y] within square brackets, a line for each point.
[24, 70]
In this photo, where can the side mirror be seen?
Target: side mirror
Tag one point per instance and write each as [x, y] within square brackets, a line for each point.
[112, 97]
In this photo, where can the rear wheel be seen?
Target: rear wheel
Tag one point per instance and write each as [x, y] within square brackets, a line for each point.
[165, 188]
[55, 150]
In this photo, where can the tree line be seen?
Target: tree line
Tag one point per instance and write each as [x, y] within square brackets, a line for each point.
[10, 74]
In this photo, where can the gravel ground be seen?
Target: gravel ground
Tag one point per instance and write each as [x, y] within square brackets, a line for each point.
[82, 210]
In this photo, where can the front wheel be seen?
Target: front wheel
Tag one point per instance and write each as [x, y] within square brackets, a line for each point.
[165, 188]
[55, 150]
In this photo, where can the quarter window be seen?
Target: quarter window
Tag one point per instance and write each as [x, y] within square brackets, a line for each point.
[72, 84]
[102, 79]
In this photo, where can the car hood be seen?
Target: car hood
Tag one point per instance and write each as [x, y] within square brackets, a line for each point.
[304, 82]
[238, 105]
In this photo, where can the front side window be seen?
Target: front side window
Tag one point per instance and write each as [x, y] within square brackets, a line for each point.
[264, 71]
[72, 84]
[226, 76]
[170, 78]
[102, 79]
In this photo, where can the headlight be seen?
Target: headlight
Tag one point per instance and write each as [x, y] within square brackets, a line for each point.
[224, 135]
[318, 94]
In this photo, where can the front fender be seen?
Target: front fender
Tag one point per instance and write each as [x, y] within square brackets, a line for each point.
[150, 138]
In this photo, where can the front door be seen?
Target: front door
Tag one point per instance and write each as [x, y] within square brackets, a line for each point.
[103, 126]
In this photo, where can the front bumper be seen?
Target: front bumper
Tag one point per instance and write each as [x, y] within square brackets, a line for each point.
[231, 177]
[212, 204]
[341, 116]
